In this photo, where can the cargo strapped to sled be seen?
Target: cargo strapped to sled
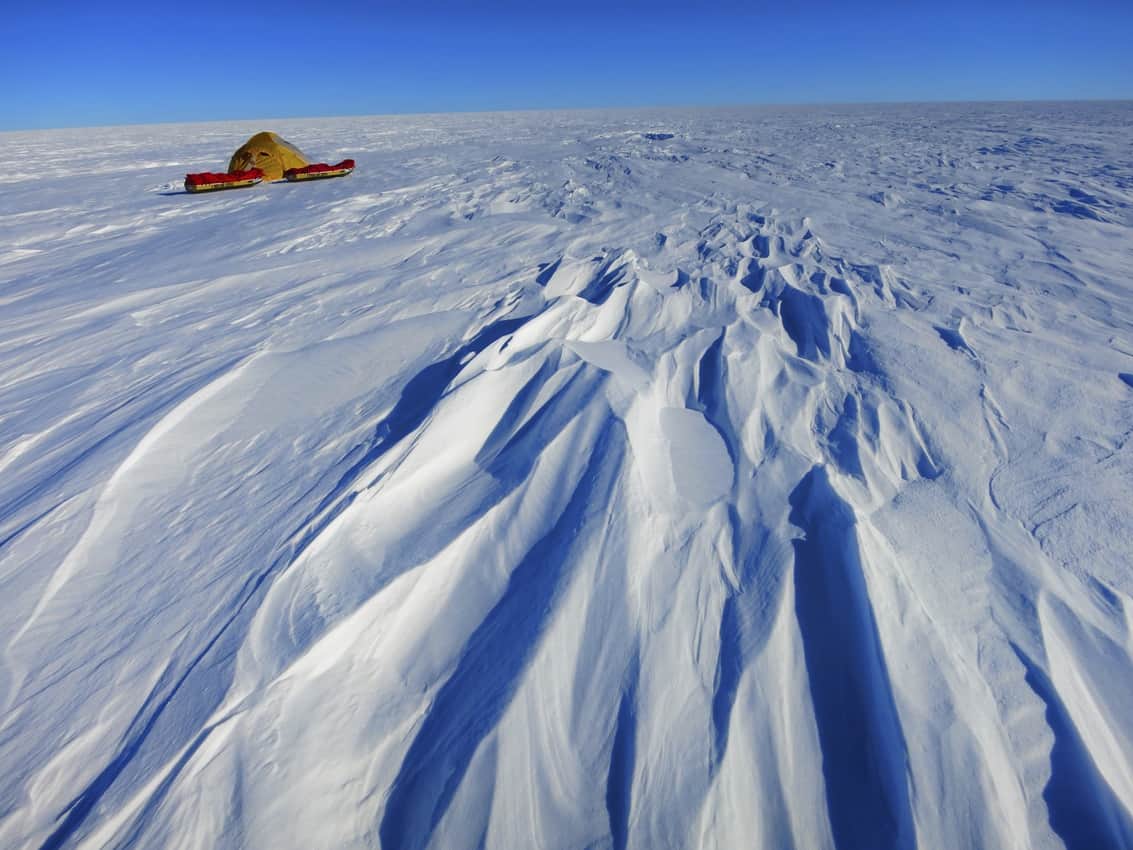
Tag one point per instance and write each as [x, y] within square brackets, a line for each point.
[319, 171]
[207, 181]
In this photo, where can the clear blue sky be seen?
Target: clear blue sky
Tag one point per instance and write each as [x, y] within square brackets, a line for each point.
[138, 61]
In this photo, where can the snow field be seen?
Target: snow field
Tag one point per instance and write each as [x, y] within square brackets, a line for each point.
[657, 479]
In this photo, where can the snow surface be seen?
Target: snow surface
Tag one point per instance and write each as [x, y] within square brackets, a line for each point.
[712, 479]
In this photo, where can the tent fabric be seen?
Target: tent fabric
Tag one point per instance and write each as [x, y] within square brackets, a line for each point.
[269, 153]
[205, 178]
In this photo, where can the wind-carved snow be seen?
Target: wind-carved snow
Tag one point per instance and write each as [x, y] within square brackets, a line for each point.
[659, 479]
[698, 460]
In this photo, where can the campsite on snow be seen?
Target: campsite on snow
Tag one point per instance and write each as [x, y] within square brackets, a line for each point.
[265, 156]
[719, 477]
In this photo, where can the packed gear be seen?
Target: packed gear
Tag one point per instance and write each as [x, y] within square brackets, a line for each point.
[207, 181]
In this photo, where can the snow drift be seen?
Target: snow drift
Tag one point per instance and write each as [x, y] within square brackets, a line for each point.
[654, 479]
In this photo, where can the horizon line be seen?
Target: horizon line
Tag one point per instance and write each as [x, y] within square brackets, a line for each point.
[568, 109]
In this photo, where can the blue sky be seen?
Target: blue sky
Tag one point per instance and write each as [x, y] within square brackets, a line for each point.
[69, 64]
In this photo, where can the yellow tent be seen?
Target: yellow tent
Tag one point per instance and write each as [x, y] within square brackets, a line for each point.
[269, 153]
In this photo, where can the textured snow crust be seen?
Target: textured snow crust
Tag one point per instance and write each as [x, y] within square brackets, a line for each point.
[752, 478]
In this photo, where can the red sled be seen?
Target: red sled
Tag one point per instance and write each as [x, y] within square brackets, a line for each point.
[207, 181]
[319, 171]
